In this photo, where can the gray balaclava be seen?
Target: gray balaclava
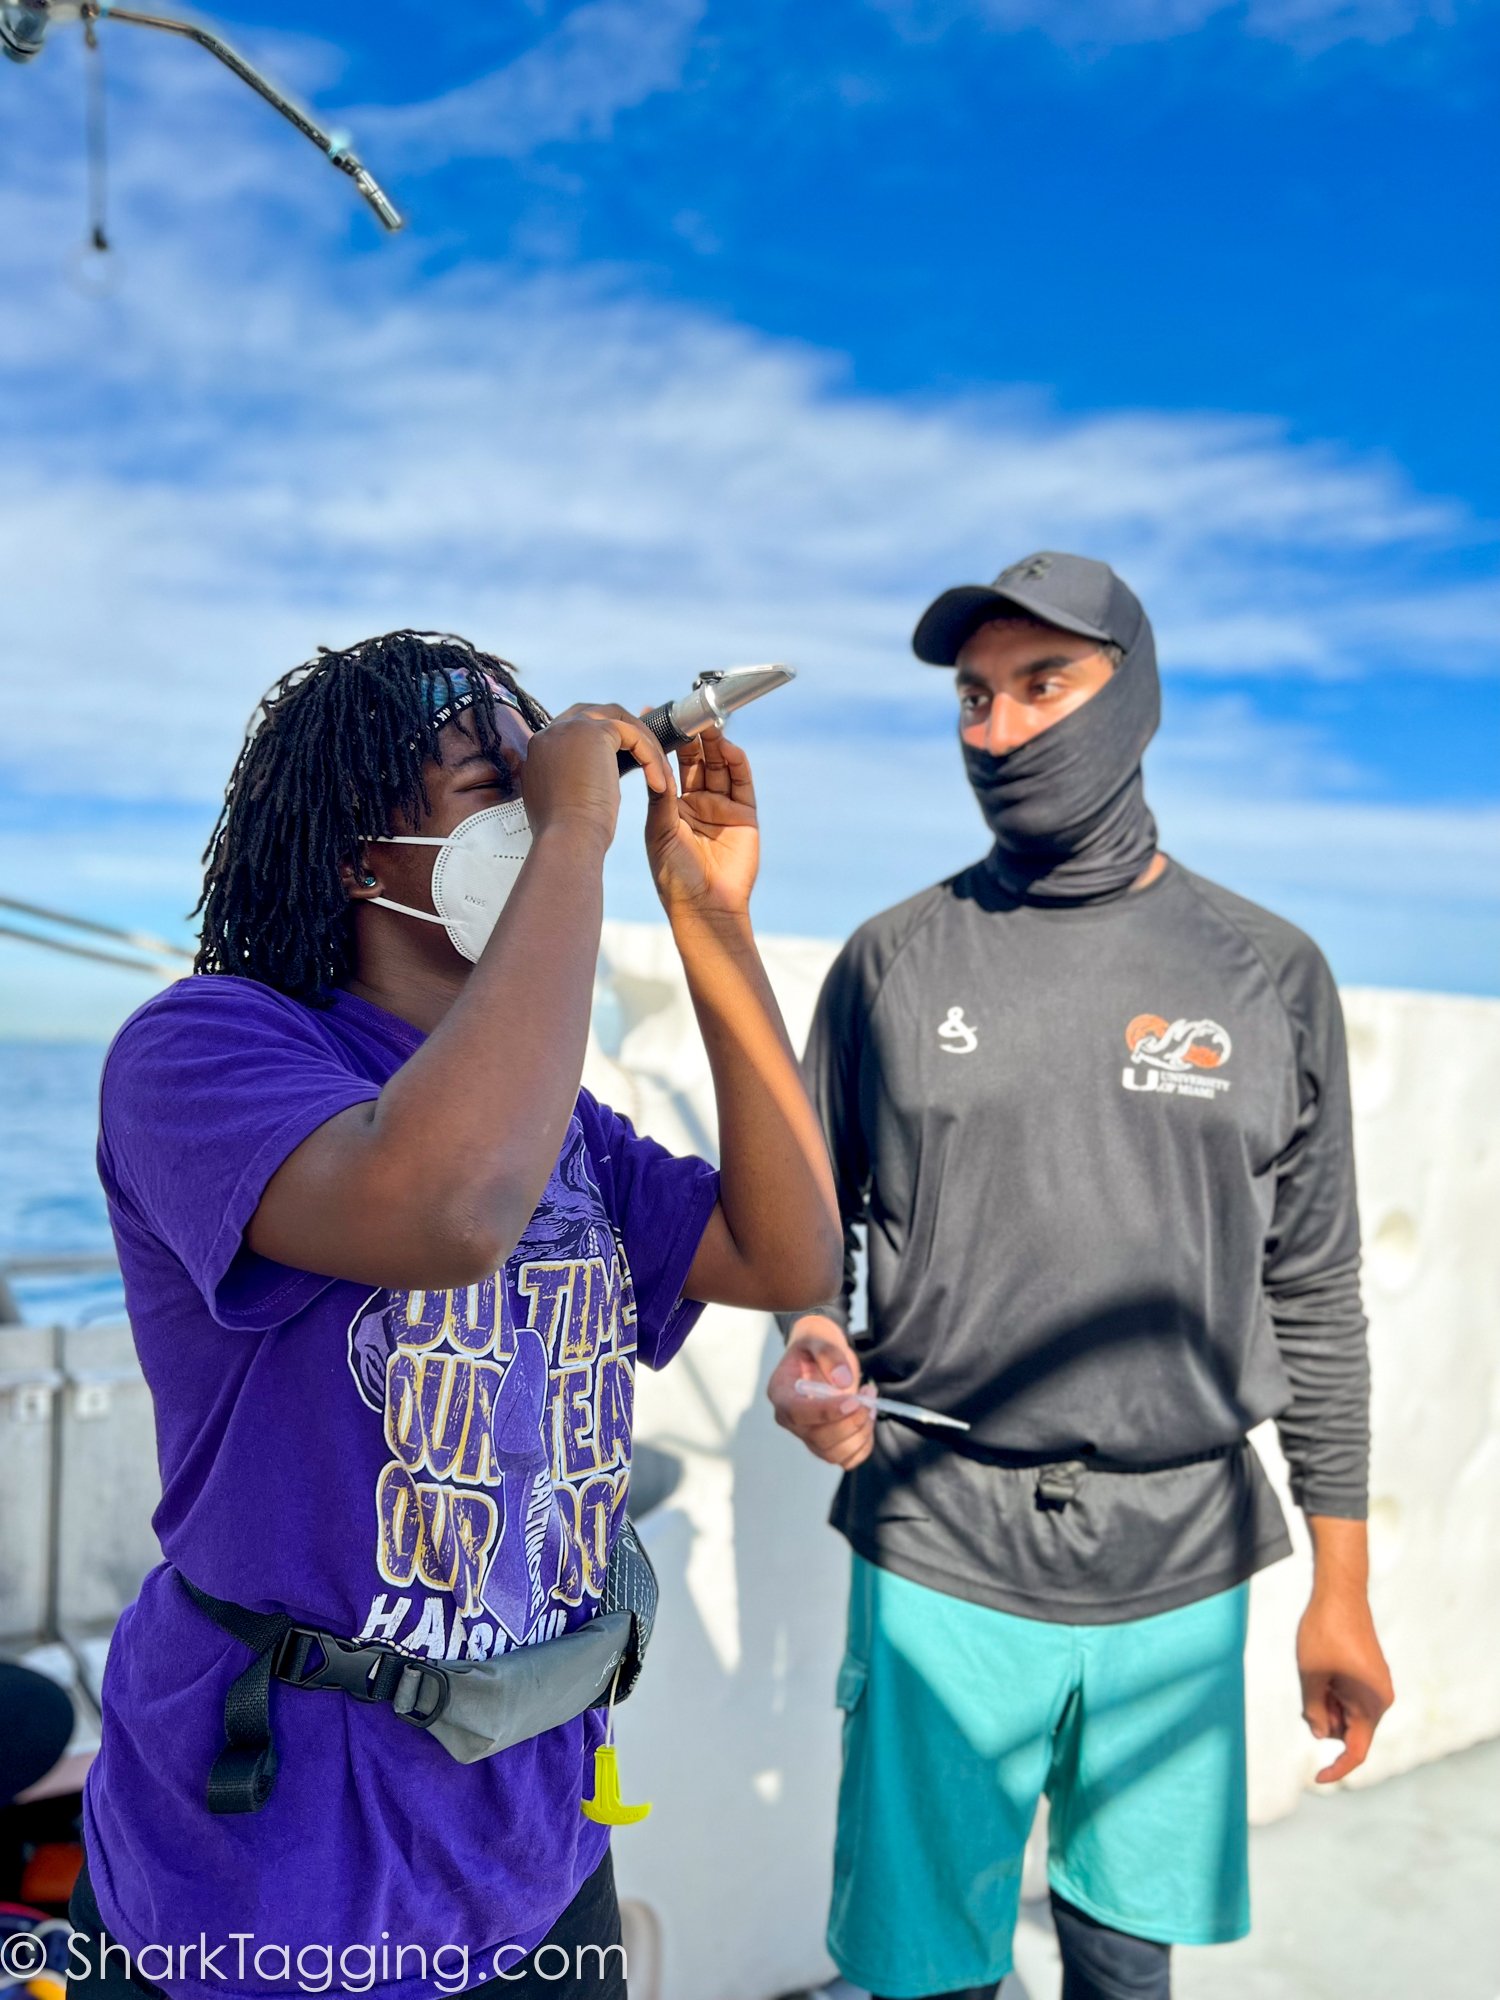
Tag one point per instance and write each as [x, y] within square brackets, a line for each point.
[1068, 809]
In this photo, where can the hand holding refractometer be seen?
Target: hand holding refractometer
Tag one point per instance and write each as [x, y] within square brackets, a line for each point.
[714, 698]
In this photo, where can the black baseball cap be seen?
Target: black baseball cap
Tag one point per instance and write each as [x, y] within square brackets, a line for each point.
[1074, 593]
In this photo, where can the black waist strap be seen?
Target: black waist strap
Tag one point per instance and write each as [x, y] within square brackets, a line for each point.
[1089, 1461]
[472, 1708]
[1059, 1474]
[245, 1769]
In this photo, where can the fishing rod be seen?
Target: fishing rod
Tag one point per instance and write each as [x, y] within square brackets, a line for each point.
[24, 25]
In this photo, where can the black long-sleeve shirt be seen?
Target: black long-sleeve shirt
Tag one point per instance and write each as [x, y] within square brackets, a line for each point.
[1102, 1155]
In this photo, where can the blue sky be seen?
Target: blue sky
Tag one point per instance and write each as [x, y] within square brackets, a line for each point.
[727, 332]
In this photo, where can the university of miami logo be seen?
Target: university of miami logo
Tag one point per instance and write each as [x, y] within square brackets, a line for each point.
[1176, 1058]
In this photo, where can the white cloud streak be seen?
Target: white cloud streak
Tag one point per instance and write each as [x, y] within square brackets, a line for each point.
[603, 58]
[1310, 27]
[609, 492]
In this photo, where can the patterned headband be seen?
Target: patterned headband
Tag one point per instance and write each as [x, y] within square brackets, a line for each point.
[469, 685]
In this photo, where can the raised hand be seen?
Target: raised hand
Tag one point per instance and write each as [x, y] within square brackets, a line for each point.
[704, 843]
[571, 772]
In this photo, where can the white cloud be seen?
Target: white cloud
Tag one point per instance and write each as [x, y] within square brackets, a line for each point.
[603, 58]
[1309, 26]
[614, 494]
[1318, 24]
[261, 442]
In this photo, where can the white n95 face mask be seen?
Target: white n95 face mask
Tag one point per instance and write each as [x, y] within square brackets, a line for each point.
[473, 875]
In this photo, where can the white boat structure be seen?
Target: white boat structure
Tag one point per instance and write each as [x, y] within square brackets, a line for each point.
[733, 1734]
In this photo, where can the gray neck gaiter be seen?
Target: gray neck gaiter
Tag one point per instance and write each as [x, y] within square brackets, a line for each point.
[1068, 809]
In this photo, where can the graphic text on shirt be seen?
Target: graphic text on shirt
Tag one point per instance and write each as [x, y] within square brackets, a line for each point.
[1175, 1057]
[507, 1420]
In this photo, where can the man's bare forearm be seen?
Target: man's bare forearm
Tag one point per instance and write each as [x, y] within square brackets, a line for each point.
[1341, 1556]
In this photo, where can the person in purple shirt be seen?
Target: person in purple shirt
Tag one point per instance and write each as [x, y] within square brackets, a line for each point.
[390, 1270]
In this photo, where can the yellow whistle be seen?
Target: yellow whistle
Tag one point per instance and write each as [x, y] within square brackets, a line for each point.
[606, 1807]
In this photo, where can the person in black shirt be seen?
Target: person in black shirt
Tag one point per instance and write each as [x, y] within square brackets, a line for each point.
[1092, 1113]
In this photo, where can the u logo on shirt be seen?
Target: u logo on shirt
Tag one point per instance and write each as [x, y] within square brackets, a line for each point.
[955, 1036]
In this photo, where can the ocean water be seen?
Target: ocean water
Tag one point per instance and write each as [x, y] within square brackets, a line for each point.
[51, 1203]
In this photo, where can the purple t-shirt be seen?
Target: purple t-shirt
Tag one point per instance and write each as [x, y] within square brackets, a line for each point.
[444, 1470]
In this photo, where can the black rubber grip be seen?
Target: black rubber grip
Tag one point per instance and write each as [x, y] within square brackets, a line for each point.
[660, 723]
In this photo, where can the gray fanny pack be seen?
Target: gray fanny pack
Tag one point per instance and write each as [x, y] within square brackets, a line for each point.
[474, 1708]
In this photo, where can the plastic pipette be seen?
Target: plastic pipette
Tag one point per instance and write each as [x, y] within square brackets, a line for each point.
[883, 1406]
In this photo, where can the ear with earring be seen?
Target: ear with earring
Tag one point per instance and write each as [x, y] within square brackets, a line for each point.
[367, 880]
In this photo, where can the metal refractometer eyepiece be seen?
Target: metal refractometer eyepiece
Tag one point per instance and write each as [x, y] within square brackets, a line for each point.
[714, 698]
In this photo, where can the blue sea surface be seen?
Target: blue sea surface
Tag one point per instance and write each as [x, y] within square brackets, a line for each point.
[51, 1202]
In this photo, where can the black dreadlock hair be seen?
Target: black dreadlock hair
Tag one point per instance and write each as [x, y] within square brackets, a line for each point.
[333, 754]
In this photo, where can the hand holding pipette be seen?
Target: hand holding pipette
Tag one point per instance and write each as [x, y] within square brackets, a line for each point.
[840, 1428]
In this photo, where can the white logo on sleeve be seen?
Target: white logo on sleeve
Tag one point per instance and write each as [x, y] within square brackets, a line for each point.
[955, 1036]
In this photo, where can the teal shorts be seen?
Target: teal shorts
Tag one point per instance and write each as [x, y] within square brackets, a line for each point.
[957, 1719]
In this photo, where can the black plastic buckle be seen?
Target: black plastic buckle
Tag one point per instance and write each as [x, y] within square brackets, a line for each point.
[421, 1693]
[416, 1690]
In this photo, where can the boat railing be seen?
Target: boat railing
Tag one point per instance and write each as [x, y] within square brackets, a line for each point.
[52, 1264]
[78, 1478]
